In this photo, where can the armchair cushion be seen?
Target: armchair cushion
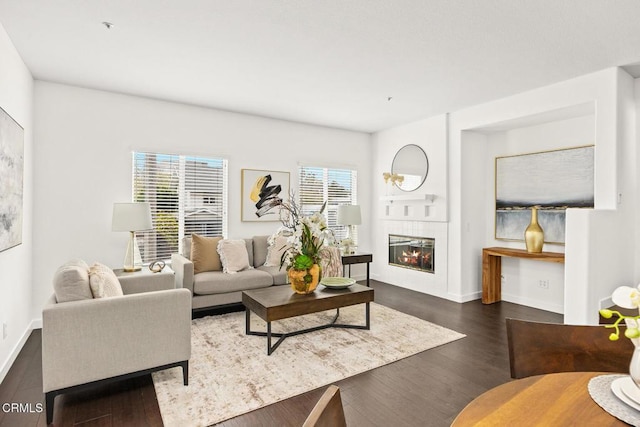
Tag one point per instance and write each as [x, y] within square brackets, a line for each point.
[71, 281]
[103, 282]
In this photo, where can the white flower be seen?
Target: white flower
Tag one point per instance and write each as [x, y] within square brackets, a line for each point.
[626, 297]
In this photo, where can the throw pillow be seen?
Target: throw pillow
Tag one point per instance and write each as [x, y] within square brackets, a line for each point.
[277, 246]
[331, 261]
[234, 255]
[71, 281]
[204, 254]
[104, 282]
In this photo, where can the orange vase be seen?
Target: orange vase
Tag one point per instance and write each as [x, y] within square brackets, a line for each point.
[304, 281]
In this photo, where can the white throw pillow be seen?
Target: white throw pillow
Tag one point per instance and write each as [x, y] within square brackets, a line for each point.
[277, 246]
[104, 282]
[71, 281]
[234, 255]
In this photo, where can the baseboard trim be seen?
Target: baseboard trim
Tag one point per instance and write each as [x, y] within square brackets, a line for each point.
[13, 355]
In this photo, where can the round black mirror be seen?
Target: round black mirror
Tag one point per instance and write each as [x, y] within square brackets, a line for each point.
[410, 167]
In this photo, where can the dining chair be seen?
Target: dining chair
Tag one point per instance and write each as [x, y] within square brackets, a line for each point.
[328, 412]
[537, 348]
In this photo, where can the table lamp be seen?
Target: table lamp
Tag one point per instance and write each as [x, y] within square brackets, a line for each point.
[350, 216]
[132, 217]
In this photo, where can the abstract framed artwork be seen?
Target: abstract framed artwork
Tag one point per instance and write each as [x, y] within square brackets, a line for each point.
[262, 192]
[552, 180]
[11, 178]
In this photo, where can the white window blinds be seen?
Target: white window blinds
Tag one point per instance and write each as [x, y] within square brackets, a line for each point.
[187, 195]
[336, 186]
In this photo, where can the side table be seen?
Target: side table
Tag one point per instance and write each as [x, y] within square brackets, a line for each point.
[357, 258]
[145, 280]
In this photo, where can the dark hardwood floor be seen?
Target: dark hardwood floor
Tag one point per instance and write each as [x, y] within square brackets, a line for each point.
[427, 389]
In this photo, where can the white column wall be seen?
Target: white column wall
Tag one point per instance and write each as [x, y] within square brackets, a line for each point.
[431, 135]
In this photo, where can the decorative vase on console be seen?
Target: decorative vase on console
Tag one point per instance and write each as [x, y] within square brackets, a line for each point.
[533, 234]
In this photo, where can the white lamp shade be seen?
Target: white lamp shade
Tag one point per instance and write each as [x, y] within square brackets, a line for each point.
[349, 215]
[131, 217]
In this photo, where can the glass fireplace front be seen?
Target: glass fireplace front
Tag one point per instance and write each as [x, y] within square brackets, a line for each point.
[416, 253]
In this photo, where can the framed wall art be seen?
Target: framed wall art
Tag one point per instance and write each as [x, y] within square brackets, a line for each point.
[11, 179]
[553, 180]
[262, 192]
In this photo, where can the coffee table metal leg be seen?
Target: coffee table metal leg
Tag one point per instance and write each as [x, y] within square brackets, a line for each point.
[281, 336]
[368, 315]
[247, 320]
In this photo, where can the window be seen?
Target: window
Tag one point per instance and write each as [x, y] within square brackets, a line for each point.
[336, 186]
[187, 195]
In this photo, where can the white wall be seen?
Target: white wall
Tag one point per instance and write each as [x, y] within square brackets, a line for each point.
[83, 165]
[16, 98]
[598, 92]
[610, 258]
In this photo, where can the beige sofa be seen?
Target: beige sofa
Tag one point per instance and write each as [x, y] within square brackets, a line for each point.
[91, 341]
[216, 288]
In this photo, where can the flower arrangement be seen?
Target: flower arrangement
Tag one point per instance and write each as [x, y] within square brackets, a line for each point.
[625, 297]
[305, 236]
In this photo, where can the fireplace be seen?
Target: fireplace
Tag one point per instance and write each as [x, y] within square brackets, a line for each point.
[416, 253]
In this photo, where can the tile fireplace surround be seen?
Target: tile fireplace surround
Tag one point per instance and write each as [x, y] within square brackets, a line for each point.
[433, 282]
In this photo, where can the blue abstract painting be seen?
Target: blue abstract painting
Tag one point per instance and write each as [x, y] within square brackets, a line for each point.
[552, 180]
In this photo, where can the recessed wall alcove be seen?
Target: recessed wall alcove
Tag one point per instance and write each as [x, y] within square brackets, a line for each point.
[599, 246]
[525, 282]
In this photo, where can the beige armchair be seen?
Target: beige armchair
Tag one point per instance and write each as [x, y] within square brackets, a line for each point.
[93, 341]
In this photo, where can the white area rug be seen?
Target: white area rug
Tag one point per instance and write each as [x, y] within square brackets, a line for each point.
[231, 374]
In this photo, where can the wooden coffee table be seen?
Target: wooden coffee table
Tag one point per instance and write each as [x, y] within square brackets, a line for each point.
[280, 302]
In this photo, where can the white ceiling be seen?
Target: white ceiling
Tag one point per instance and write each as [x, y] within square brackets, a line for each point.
[326, 62]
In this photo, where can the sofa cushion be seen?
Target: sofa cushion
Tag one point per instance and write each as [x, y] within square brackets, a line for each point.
[249, 243]
[277, 246]
[204, 253]
[279, 275]
[103, 282]
[217, 282]
[234, 255]
[71, 281]
[260, 247]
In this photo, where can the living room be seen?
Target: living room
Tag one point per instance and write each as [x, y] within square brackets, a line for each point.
[77, 162]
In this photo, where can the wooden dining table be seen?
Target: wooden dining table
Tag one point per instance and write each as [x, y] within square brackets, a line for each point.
[560, 399]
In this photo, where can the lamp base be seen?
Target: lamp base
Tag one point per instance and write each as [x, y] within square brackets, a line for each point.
[132, 259]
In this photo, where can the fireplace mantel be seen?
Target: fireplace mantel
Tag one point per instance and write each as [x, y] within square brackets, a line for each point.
[408, 207]
[428, 198]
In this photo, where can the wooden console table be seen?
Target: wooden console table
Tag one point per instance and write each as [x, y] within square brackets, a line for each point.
[492, 268]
